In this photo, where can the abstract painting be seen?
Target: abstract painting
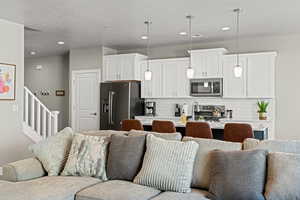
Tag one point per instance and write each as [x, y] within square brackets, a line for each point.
[7, 81]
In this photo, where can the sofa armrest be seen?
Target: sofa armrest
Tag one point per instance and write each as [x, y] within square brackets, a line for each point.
[22, 170]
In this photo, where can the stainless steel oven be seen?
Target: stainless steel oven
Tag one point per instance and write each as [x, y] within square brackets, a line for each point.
[212, 87]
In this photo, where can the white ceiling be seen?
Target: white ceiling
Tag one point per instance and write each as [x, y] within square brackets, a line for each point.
[119, 23]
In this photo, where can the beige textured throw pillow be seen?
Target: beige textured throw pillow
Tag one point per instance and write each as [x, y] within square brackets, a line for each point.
[202, 166]
[283, 180]
[53, 152]
[166, 136]
[87, 157]
[168, 165]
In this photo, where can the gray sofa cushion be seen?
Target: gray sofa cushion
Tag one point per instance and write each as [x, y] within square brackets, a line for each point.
[166, 136]
[46, 188]
[168, 165]
[117, 190]
[286, 146]
[23, 170]
[125, 156]
[238, 175]
[202, 166]
[283, 180]
[195, 194]
[104, 132]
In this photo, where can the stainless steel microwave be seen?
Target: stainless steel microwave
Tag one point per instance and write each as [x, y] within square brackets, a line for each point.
[212, 87]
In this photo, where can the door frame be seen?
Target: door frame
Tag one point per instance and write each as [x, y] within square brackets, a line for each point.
[72, 95]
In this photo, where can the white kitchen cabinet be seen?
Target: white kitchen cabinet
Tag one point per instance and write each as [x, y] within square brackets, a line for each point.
[151, 88]
[261, 75]
[207, 63]
[234, 87]
[175, 82]
[122, 67]
[257, 80]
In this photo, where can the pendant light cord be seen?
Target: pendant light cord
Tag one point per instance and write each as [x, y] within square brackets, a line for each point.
[148, 43]
[238, 10]
[190, 39]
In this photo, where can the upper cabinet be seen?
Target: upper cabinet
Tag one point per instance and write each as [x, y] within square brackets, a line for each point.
[257, 80]
[207, 63]
[122, 67]
[168, 78]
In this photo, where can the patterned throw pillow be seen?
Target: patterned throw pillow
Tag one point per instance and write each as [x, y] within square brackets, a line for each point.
[168, 165]
[87, 157]
[54, 151]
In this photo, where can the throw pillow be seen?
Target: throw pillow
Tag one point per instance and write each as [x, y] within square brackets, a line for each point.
[237, 175]
[286, 146]
[283, 176]
[53, 152]
[125, 156]
[87, 157]
[202, 166]
[167, 136]
[168, 165]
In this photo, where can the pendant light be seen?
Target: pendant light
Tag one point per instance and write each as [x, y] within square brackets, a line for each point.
[190, 70]
[238, 70]
[148, 73]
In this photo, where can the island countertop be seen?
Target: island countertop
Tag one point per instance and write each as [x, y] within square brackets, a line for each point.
[257, 125]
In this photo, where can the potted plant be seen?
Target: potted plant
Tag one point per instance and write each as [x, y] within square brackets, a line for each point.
[262, 109]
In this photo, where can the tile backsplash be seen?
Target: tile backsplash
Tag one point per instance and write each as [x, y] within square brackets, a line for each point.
[243, 109]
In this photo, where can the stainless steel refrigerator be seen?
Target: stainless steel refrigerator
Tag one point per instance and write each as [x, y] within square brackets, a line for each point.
[118, 101]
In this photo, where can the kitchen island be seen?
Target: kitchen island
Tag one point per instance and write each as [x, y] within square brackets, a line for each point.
[260, 128]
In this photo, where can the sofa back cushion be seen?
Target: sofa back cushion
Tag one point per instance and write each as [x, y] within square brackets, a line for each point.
[168, 165]
[202, 166]
[238, 174]
[103, 132]
[125, 156]
[87, 157]
[286, 146]
[283, 180]
[166, 136]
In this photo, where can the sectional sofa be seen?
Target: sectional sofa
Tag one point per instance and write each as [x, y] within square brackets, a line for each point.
[28, 180]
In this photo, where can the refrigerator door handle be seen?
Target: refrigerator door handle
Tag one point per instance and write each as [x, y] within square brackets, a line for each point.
[110, 111]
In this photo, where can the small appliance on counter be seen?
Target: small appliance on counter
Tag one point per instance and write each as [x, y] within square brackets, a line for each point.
[177, 110]
[208, 112]
[150, 108]
[229, 114]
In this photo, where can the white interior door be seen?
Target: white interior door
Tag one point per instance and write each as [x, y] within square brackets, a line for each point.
[85, 100]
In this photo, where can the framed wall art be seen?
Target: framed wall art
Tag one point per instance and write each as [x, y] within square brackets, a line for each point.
[7, 81]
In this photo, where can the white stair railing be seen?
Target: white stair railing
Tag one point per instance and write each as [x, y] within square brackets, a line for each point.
[39, 122]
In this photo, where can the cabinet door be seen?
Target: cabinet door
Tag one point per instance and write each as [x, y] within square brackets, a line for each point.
[182, 80]
[156, 82]
[213, 65]
[127, 67]
[198, 64]
[234, 87]
[260, 75]
[112, 68]
[170, 78]
[145, 85]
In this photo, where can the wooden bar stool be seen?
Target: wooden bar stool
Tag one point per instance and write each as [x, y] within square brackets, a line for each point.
[198, 130]
[131, 124]
[163, 126]
[235, 132]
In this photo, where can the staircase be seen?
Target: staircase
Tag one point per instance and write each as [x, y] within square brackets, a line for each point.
[38, 121]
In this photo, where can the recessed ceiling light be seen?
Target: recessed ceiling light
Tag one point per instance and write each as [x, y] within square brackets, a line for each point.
[144, 37]
[60, 42]
[32, 53]
[197, 36]
[183, 33]
[226, 28]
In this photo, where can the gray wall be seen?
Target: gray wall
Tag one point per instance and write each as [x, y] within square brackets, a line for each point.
[13, 143]
[83, 59]
[287, 73]
[53, 76]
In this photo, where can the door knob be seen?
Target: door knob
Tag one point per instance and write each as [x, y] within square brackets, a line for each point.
[94, 114]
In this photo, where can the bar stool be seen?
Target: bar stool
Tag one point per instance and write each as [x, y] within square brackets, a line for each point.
[130, 124]
[235, 132]
[163, 126]
[198, 130]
